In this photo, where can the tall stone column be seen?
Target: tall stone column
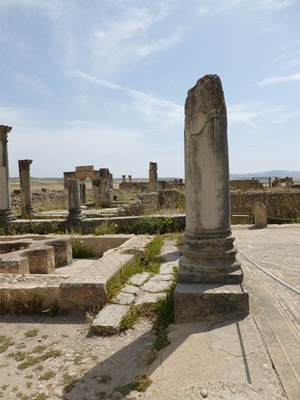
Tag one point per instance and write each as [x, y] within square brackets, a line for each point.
[26, 199]
[104, 187]
[153, 184]
[208, 256]
[82, 187]
[75, 213]
[5, 202]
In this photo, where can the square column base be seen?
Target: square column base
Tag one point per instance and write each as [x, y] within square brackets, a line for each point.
[207, 302]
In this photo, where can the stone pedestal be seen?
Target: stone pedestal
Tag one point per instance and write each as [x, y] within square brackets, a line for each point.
[5, 202]
[260, 215]
[208, 255]
[26, 200]
[75, 213]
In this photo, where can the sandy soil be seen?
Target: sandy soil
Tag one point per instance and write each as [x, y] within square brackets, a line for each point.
[59, 358]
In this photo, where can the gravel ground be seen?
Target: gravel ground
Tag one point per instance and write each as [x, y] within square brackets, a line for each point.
[59, 358]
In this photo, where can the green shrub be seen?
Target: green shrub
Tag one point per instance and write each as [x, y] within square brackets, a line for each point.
[80, 250]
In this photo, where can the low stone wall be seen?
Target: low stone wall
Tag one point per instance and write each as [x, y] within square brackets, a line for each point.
[42, 200]
[151, 202]
[281, 202]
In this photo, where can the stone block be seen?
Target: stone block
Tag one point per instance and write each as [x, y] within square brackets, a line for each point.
[205, 302]
[83, 294]
[62, 251]
[108, 320]
[41, 260]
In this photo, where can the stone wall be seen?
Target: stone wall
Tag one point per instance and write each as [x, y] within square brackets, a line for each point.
[279, 202]
[42, 200]
[155, 201]
[245, 184]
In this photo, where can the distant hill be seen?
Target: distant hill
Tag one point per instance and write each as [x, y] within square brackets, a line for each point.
[267, 174]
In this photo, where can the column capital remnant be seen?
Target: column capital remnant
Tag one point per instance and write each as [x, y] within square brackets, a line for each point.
[4, 130]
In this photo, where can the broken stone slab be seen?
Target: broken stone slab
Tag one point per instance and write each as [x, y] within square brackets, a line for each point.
[108, 320]
[149, 298]
[156, 284]
[168, 268]
[200, 302]
[130, 289]
[138, 279]
[125, 298]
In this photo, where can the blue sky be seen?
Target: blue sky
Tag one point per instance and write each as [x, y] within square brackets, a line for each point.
[103, 82]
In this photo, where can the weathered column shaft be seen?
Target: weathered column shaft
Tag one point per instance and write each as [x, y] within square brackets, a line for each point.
[104, 187]
[209, 275]
[5, 202]
[74, 200]
[153, 183]
[26, 199]
[208, 254]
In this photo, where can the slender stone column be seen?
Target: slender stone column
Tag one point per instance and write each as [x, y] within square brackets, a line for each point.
[209, 256]
[75, 213]
[82, 187]
[104, 187]
[153, 184]
[129, 178]
[123, 178]
[26, 200]
[5, 203]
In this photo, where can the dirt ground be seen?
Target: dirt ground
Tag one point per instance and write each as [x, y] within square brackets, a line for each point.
[59, 358]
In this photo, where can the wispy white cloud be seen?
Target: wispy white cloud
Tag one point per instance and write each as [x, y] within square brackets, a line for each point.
[284, 116]
[274, 4]
[151, 107]
[279, 79]
[248, 113]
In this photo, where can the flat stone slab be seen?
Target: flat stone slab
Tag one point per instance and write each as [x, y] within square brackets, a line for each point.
[130, 289]
[125, 298]
[168, 268]
[149, 298]
[156, 284]
[138, 279]
[200, 302]
[108, 320]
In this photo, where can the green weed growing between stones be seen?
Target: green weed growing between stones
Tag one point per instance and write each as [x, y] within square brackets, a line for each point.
[107, 228]
[145, 263]
[80, 250]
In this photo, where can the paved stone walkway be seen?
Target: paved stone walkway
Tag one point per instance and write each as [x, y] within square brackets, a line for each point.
[275, 307]
[257, 357]
[141, 288]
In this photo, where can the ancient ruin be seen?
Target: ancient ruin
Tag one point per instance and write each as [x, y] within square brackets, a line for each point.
[153, 185]
[209, 276]
[27, 255]
[102, 183]
[26, 200]
[5, 204]
[75, 213]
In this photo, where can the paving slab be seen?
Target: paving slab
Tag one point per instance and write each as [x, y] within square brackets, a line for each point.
[108, 320]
